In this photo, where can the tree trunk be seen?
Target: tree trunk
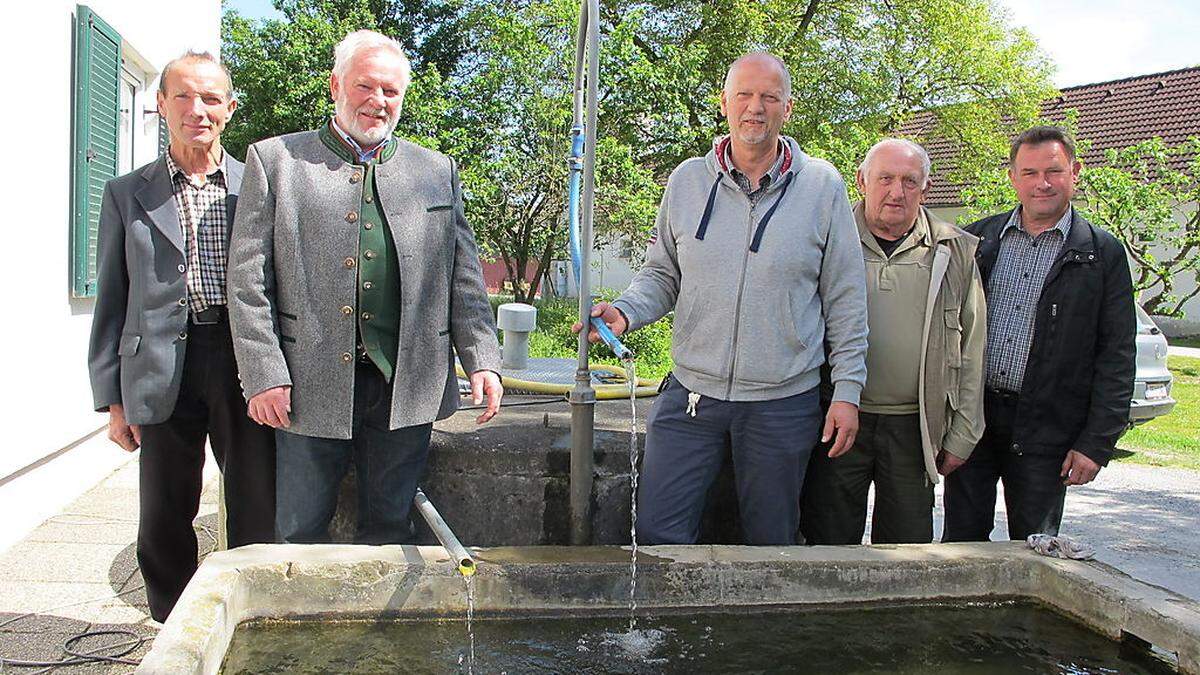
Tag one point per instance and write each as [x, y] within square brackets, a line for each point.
[543, 266]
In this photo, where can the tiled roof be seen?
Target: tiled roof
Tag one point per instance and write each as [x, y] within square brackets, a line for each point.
[1112, 114]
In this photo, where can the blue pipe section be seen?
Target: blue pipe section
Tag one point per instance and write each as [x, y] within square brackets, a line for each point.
[576, 175]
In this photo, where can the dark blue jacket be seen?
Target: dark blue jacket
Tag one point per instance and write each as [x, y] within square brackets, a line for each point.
[1079, 377]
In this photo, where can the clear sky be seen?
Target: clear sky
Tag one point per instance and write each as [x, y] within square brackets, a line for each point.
[255, 9]
[1089, 40]
[1098, 40]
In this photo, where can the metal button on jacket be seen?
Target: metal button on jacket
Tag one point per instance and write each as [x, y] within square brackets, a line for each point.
[183, 302]
[347, 310]
[355, 177]
[368, 225]
[367, 285]
[352, 217]
[182, 269]
[349, 262]
[369, 254]
[367, 316]
[347, 357]
[182, 335]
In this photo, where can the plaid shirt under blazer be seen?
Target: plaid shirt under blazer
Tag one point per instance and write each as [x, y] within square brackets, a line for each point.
[289, 279]
[139, 326]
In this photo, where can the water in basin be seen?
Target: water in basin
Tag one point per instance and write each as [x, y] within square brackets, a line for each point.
[975, 638]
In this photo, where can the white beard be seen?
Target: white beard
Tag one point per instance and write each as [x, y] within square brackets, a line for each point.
[348, 119]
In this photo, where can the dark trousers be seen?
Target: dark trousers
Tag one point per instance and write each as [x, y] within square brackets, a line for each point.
[388, 465]
[888, 452]
[770, 443]
[172, 458]
[1033, 488]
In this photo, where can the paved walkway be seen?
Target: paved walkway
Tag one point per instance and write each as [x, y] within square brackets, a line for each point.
[1142, 520]
[77, 572]
[1193, 352]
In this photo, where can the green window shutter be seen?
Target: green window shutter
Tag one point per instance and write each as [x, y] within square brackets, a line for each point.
[96, 123]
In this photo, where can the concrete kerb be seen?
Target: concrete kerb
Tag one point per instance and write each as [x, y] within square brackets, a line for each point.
[272, 581]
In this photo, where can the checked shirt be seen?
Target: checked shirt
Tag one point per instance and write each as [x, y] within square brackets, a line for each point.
[1012, 297]
[205, 223]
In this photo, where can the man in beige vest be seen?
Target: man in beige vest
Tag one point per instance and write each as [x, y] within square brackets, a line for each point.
[922, 408]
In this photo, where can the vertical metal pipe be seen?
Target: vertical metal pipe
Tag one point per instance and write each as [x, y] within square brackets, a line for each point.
[582, 397]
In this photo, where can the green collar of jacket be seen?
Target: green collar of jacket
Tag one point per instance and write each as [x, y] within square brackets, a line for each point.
[334, 142]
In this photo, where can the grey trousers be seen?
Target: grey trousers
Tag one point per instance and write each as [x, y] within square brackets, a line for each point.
[887, 451]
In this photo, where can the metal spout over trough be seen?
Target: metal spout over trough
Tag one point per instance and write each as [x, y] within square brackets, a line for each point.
[466, 564]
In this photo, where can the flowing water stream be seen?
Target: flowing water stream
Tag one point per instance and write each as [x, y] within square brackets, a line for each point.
[470, 581]
[631, 376]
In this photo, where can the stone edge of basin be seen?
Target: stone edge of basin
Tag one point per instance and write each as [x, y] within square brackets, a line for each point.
[279, 581]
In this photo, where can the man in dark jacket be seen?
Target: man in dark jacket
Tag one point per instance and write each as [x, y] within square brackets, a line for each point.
[1060, 349]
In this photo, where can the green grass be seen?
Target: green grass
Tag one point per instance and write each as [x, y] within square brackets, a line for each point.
[1192, 341]
[553, 338]
[1172, 440]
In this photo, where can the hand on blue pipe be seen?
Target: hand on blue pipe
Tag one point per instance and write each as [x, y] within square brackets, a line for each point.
[607, 323]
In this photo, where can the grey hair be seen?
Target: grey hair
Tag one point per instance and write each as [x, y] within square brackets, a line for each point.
[926, 164]
[201, 56]
[783, 70]
[368, 40]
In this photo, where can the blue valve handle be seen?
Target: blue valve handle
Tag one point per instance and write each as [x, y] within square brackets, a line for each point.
[613, 342]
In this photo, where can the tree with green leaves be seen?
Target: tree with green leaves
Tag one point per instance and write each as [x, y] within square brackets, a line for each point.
[502, 110]
[1148, 196]
[281, 68]
[517, 101]
[861, 70]
[492, 81]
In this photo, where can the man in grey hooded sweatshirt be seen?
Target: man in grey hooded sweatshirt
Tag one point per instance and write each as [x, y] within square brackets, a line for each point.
[758, 255]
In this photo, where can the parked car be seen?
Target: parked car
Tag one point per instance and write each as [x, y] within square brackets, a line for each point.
[1152, 383]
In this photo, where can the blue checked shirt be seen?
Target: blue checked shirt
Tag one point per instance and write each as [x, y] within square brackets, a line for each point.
[743, 181]
[1012, 297]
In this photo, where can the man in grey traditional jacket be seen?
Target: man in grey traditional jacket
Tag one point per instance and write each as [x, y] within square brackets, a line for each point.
[355, 278]
[756, 252]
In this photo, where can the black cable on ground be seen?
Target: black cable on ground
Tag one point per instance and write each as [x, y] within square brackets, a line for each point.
[79, 658]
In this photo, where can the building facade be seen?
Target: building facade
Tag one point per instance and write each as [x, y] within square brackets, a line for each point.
[82, 82]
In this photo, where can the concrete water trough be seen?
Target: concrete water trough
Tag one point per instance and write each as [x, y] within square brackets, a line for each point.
[404, 582]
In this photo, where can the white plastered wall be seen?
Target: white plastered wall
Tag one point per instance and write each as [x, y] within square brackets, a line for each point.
[45, 396]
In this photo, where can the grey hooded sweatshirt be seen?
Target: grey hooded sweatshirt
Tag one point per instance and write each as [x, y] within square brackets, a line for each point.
[761, 293]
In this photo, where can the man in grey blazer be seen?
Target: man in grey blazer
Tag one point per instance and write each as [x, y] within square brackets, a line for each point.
[355, 278]
[161, 356]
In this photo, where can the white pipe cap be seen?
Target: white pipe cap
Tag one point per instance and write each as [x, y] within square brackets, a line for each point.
[517, 316]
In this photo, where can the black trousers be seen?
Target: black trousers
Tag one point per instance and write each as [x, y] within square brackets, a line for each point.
[1033, 488]
[172, 458]
[888, 452]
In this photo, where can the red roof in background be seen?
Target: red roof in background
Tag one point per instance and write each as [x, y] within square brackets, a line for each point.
[1111, 114]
